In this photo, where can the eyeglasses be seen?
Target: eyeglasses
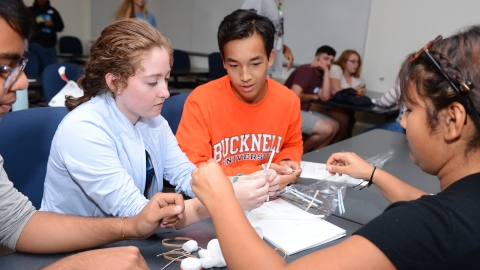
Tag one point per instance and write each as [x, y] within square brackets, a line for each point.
[354, 61]
[464, 87]
[13, 73]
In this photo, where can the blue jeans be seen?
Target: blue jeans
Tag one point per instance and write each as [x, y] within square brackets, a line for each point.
[51, 53]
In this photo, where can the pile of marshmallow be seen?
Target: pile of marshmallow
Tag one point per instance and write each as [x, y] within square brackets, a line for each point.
[212, 256]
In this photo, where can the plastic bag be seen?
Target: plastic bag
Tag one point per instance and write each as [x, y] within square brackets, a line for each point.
[319, 198]
[381, 158]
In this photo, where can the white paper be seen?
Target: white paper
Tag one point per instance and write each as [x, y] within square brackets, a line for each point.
[289, 227]
[314, 170]
[70, 89]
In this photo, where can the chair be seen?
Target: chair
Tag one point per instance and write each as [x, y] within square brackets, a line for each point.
[25, 140]
[70, 44]
[73, 46]
[172, 110]
[181, 59]
[38, 50]
[52, 83]
[181, 67]
[215, 68]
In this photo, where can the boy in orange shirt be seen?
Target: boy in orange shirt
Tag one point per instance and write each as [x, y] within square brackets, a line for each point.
[239, 119]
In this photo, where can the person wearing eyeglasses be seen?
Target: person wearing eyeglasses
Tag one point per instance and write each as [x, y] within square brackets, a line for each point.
[345, 73]
[24, 229]
[440, 86]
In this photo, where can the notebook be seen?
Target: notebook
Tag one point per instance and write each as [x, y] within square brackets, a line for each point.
[292, 229]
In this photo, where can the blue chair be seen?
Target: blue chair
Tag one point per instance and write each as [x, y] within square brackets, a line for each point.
[25, 140]
[172, 110]
[51, 81]
[215, 66]
[70, 44]
[181, 59]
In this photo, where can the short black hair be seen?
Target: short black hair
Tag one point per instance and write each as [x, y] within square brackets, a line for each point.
[326, 49]
[242, 24]
[18, 16]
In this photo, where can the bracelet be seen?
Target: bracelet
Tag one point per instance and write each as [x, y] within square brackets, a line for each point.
[236, 177]
[121, 227]
[370, 182]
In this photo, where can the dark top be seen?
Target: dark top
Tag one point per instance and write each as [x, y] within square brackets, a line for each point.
[46, 36]
[434, 232]
[307, 78]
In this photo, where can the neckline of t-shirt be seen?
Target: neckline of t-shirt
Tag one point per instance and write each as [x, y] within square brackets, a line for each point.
[245, 106]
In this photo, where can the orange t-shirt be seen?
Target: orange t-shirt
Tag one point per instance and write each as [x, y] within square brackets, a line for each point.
[240, 136]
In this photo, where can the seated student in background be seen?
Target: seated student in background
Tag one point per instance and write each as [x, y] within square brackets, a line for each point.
[240, 118]
[135, 9]
[388, 99]
[345, 73]
[24, 229]
[110, 155]
[419, 230]
[310, 82]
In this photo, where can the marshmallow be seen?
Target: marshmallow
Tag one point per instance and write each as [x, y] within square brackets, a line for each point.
[190, 246]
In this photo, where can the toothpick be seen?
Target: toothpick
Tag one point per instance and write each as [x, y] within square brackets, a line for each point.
[314, 197]
[301, 197]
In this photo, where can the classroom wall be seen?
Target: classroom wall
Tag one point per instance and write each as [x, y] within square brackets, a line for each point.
[397, 28]
[382, 31]
[76, 16]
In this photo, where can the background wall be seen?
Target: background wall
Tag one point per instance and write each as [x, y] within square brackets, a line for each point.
[382, 31]
[397, 28]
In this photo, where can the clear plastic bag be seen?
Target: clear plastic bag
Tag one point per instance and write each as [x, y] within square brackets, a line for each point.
[319, 198]
[381, 158]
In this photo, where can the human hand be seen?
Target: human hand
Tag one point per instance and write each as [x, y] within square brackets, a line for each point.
[252, 190]
[163, 210]
[360, 89]
[289, 172]
[273, 180]
[49, 23]
[319, 64]
[209, 183]
[288, 55]
[349, 163]
[123, 258]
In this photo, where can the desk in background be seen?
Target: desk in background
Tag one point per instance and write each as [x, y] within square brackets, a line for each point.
[387, 113]
[193, 71]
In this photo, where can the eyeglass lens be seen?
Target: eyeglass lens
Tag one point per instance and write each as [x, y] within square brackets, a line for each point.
[13, 76]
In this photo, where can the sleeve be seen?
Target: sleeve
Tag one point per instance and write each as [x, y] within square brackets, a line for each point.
[389, 98]
[177, 169]
[57, 21]
[336, 72]
[15, 211]
[193, 131]
[302, 79]
[91, 157]
[413, 235]
[293, 146]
